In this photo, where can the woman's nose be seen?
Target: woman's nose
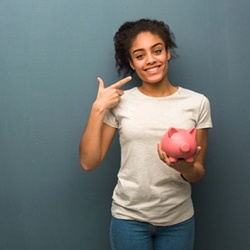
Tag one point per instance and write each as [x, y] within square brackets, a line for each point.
[150, 59]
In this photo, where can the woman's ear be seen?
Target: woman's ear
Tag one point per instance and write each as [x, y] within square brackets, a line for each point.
[168, 54]
[131, 64]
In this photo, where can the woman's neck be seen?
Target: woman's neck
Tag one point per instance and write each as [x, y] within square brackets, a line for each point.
[157, 90]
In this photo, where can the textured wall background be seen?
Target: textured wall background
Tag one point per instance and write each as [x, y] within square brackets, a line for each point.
[51, 52]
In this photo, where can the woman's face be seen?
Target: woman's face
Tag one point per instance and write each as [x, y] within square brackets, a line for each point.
[149, 58]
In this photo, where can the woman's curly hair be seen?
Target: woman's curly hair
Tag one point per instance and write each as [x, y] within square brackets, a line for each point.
[126, 34]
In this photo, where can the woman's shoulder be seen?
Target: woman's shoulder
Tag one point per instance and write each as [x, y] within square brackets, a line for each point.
[191, 93]
[130, 93]
[131, 90]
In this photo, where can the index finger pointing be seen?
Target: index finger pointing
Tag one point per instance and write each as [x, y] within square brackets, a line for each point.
[122, 82]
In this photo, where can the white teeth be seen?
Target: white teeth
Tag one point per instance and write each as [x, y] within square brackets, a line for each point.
[152, 70]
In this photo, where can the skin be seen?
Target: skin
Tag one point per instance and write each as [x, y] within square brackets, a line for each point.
[98, 136]
[149, 58]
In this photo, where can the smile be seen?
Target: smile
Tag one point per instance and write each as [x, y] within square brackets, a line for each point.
[152, 70]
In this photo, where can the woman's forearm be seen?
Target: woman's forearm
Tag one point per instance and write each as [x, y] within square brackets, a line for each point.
[90, 148]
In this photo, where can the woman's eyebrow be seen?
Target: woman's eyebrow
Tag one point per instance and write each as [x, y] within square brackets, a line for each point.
[144, 49]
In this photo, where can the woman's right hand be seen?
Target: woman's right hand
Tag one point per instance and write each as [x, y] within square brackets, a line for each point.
[109, 97]
[97, 136]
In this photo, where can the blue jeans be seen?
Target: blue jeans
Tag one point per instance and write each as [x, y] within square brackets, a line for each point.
[134, 235]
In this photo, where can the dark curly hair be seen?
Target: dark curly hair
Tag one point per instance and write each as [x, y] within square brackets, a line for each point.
[126, 34]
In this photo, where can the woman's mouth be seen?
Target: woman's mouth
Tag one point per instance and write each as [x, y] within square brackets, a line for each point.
[152, 70]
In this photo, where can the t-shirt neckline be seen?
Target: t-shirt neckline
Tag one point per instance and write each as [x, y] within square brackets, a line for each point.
[138, 92]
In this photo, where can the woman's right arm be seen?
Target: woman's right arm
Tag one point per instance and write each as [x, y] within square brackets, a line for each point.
[98, 136]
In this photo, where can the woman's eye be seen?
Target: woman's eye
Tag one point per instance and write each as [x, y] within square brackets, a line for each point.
[158, 51]
[139, 56]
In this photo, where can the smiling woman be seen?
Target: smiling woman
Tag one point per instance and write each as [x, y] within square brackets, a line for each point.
[153, 194]
[126, 34]
[149, 58]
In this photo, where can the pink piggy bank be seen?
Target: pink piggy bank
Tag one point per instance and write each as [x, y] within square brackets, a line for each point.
[179, 143]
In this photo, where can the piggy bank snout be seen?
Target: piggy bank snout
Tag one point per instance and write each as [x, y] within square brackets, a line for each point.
[185, 147]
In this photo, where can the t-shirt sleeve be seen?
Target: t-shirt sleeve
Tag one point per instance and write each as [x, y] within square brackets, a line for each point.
[110, 119]
[204, 118]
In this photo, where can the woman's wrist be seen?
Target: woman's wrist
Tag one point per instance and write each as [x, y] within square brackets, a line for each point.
[183, 178]
[194, 174]
[96, 107]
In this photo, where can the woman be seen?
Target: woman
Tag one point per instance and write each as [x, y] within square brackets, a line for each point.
[152, 206]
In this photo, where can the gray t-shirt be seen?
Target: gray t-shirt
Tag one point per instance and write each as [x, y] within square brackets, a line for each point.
[148, 190]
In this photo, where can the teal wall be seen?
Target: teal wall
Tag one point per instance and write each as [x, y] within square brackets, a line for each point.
[51, 52]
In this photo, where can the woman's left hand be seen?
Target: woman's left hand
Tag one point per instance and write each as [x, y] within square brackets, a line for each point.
[191, 171]
[180, 165]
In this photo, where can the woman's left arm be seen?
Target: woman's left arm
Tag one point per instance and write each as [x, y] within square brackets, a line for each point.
[191, 171]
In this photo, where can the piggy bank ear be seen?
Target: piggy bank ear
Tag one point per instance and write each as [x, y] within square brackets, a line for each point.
[192, 131]
[171, 131]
